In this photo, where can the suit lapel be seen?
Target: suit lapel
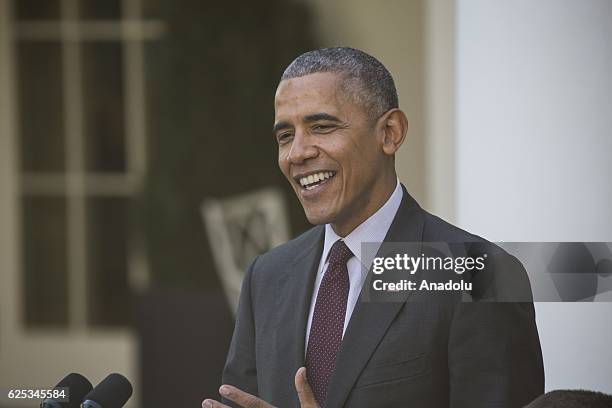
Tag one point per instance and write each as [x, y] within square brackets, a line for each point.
[296, 288]
[370, 319]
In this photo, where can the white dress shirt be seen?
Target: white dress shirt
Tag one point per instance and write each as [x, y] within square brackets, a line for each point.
[374, 230]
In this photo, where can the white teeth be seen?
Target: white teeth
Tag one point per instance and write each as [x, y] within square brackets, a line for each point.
[315, 178]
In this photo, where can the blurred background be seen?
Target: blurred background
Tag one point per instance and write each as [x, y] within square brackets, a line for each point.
[138, 170]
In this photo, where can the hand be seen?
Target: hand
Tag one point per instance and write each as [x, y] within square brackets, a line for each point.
[246, 400]
[307, 398]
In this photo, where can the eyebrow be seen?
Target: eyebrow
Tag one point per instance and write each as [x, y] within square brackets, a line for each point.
[321, 116]
[280, 126]
[308, 118]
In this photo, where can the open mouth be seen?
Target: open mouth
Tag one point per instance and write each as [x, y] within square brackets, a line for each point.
[314, 180]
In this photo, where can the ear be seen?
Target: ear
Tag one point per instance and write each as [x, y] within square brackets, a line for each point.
[394, 126]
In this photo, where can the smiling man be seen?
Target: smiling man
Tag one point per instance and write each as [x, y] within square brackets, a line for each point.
[305, 335]
[336, 150]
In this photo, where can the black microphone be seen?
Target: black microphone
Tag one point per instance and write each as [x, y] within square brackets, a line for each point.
[112, 392]
[77, 385]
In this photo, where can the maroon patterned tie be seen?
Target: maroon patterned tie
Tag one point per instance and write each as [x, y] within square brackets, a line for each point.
[328, 321]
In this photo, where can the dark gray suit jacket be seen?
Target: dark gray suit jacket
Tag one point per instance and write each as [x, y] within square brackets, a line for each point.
[430, 353]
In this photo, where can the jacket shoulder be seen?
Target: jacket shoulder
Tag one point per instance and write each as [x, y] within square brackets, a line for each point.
[286, 254]
[436, 229]
[504, 277]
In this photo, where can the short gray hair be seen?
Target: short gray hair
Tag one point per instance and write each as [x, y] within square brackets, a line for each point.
[365, 78]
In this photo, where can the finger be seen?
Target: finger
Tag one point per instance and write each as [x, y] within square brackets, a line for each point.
[305, 394]
[244, 399]
[210, 403]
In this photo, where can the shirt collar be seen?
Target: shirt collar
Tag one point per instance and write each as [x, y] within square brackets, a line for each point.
[374, 229]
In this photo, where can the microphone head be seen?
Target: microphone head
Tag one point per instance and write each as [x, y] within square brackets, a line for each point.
[78, 386]
[112, 392]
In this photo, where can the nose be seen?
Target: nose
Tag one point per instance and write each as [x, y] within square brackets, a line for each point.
[301, 149]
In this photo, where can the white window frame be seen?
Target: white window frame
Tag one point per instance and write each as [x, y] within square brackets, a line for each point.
[30, 357]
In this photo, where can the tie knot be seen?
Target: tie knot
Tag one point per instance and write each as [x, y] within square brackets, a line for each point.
[339, 253]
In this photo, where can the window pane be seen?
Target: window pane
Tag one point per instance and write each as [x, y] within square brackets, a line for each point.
[37, 9]
[103, 106]
[107, 224]
[44, 261]
[41, 110]
[100, 9]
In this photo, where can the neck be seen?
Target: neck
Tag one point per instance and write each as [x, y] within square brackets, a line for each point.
[376, 198]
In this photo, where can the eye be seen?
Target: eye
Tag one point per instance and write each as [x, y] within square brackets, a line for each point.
[284, 137]
[322, 128]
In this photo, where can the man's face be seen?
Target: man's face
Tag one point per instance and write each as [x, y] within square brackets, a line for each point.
[328, 149]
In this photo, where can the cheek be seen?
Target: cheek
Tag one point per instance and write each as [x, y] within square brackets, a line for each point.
[282, 162]
[359, 169]
[354, 163]
[283, 154]
[285, 170]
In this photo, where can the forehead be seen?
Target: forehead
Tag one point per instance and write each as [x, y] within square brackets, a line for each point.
[314, 93]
